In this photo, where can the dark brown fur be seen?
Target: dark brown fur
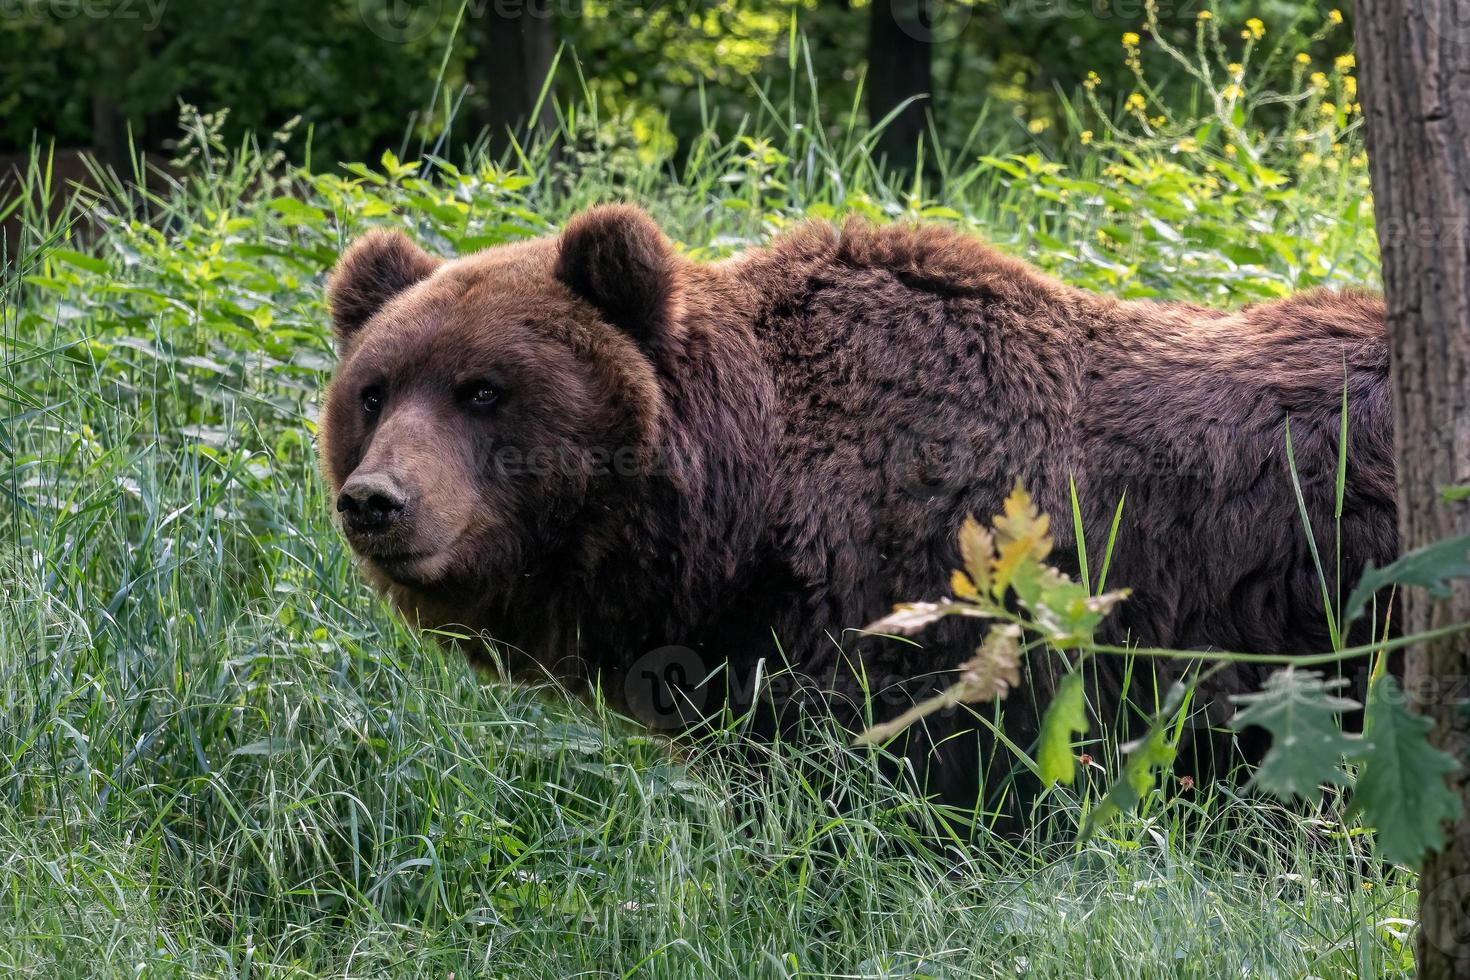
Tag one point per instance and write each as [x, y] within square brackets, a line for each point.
[802, 429]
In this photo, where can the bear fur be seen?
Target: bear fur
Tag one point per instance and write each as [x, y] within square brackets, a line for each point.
[688, 474]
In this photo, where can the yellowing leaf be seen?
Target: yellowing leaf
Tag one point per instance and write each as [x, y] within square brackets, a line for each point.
[995, 668]
[1021, 545]
[961, 586]
[1023, 522]
[990, 674]
[977, 552]
[909, 618]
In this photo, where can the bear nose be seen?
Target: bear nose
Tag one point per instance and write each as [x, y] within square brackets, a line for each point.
[370, 503]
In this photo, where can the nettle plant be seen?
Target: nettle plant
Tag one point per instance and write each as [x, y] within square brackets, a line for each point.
[1399, 789]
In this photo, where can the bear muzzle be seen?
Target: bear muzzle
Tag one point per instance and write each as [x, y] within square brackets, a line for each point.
[372, 506]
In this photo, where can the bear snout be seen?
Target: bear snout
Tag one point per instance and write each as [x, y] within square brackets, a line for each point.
[371, 503]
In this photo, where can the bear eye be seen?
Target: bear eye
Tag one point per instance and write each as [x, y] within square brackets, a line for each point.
[372, 400]
[479, 394]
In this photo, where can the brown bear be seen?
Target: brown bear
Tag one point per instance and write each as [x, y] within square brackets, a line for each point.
[671, 480]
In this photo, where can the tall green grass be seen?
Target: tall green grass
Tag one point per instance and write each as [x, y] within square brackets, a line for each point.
[220, 755]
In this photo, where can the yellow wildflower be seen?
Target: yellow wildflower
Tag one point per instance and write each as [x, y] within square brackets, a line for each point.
[1135, 102]
[1350, 86]
[1157, 121]
[1256, 27]
[1204, 15]
[1335, 16]
[1303, 58]
[1130, 40]
[1345, 62]
[1328, 109]
[1039, 125]
[1310, 159]
[1232, 92]
[1235, 69]
[1319, 79]
[1093, 80]
[1187, 145]
[1086, 137]
[1230, 150]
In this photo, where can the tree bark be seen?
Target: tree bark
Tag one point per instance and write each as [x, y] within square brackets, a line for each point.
[900, 66]
[516, 42]
[1415, 72]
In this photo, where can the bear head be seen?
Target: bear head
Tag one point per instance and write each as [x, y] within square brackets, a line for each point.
[488, 413]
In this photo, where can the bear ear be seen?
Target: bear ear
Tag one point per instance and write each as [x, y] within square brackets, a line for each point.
[377, 267]
[617, 259]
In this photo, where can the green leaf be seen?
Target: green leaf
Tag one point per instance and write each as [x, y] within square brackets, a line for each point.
[294, 212]
[1401, 789]
[80, 261]
[1146, 757]
[1300, 711]
[1065, 716]
[1430, 567]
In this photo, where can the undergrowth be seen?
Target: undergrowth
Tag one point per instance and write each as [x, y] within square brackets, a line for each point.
[220, 755]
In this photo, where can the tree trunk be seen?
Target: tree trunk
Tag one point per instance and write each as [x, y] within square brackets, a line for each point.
[900, 66]
[516, 42]
[1415, 60]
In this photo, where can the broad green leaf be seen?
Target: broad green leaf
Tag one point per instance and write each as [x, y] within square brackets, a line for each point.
[80, 261]
[294, 212]
[1300, 711]
[1146, 757]
[1005, 166]
[1401, 790]
[1430, 567]
[1066, 716]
